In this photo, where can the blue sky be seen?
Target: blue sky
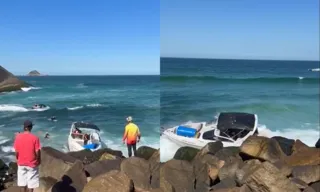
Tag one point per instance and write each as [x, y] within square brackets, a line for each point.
[80, 37]
[240, 29]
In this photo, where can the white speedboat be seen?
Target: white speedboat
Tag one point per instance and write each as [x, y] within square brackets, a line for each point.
[231, 129]
[84, 136]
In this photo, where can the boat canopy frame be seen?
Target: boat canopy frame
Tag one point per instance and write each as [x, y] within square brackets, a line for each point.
[236, 123]
[84, 125]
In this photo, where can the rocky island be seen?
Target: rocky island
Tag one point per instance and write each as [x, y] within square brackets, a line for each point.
[260, 164]
[8, 82]
[34, 73]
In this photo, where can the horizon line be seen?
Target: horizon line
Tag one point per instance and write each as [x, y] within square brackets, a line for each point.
[208, 58]
[90, 75]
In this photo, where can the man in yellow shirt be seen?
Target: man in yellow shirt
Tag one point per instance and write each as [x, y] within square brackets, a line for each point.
[132, 136]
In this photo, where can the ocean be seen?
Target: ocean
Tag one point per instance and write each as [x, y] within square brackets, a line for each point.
[284, 95]
[103, 100]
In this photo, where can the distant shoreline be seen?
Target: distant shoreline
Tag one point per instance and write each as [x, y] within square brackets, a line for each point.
[88, 75]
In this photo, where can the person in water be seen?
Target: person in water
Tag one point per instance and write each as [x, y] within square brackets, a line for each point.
[46, 136]
[132, 136]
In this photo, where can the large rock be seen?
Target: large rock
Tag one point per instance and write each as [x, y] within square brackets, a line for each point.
[268, 178]
[314, 187]
[8, 82]
[232, 159]
[285, 144]
[100, 167]
[138, 169]
[34, 73]
[225, 183]
[211, 148]
[243, 188]
[303, 155]
[113, 181]
[154, 162]
[145, 152]
[308, 174]
[317, 145]
[54, 163]
[186, 153]
[87, 156]
[177, 175]
[247, 168]
[46, 183]
[73, 180]
[263, 148]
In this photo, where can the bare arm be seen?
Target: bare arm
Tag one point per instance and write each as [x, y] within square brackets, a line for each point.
[37, 151]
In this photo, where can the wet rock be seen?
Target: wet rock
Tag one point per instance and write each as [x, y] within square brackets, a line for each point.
[154, 162]
[285, 144]
[177, 175]
[186, 153]
[317, 145]
[145, 152]
[262, 148]
[138, 169]
[267, 177]
[113, 181]
[308, 174]
[13, 168]
[54, 163]
[100, 167]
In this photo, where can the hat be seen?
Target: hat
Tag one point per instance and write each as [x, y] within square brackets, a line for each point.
[129, 118]
[27, 123]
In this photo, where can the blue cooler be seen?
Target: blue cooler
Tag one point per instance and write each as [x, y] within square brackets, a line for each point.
[186, 131]
[90, 146]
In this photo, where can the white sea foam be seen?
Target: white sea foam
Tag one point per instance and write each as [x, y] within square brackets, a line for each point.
[7, 149]
[308, 136]
[26, 89]
[75, 108]
[94, 105]
[15, 108]
[19, 108]
[301, 78]
[81, 86]
[315, 69]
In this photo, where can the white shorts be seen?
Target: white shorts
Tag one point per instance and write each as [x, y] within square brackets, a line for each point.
[28, 176]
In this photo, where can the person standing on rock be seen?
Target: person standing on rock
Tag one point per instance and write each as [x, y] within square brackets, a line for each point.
[27, 147]
[132, 136]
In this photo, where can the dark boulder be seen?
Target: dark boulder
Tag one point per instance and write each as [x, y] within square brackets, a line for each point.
[318, 144]
[211, 148]
[299, 183]
[100, 167]
[186, 153]
[8, 82]
[247, 167]
[145, 152]
[285, 144]
[113, 181]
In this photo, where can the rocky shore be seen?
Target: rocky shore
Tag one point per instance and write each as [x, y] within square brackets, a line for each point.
[8, 82]
[105, 170]
[260, 164]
